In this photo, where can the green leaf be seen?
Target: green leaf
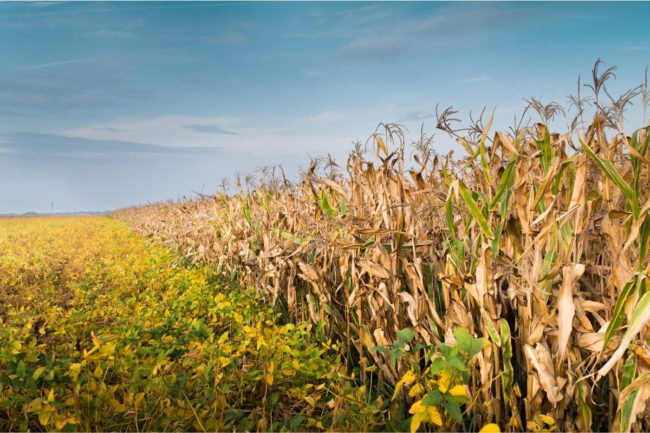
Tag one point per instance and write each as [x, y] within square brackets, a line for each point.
[617, 317]
[437, 365]
[297, 421]
[544, 145]
[550, 256]
[38, 373]
[628, 404]
[325, 205]
[454, 411]
[368, 243]
[585, 409]
[475, 211]
[449, 213]
[640, 317]
[392, 355]
[467, 343]
[432, 399]
[494, 335]
[405, 334]
[626, 411]
[457, 363]
[610, 171]
[629, 371]
[273, 399]
[644, 233]
[247, 210]
[506, 181]
[343, 206]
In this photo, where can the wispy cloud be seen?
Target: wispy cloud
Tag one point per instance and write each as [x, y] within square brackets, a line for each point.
[638, 48]
[209, 129]
[449, 26]
[478, 79]
[40, 145]
[417, 116]
[169, 131]
[58, 63]
[68, 85]
[232, 135]
[114, 34]
[8, 151]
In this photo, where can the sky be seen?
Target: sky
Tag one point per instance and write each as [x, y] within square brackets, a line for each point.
[107, 105]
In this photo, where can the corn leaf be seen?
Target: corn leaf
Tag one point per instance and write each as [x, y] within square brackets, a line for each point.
[608, 169]
[475, 211]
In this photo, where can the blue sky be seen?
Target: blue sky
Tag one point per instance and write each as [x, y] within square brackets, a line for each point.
[104, 105]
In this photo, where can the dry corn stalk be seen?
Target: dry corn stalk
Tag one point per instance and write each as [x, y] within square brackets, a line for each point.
[542, 250]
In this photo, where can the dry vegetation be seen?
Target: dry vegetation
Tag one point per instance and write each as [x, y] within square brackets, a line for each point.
[536, 241]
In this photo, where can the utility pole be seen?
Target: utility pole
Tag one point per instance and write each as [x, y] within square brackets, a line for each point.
[52, 207]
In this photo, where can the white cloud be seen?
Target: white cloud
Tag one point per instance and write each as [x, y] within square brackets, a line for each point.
[169, 131]
[177, 131]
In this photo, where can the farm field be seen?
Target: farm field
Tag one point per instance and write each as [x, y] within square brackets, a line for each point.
[505, 291]
[103, 330]
[325, 216]
[519, 272]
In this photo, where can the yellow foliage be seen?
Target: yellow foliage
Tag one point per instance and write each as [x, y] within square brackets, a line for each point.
[490, 428]
[458, 390]
[92, 312]
[407, 379]
[444, 380]
[422, 414]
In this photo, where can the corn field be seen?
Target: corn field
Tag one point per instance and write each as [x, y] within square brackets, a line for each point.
[534, 240]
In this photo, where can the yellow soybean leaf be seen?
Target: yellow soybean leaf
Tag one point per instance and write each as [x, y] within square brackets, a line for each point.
[75, 368]
[424, 414]
[407, 379]
[15, 347]
[533, 426]
[547, 419]
[416, 390]
[490, 428]
[270, 369]
[39, 371]
[223, 338]
[458, 391]
[60, 422]
[444, 380]
[434, 416]
[415, 422]
[417, 408]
